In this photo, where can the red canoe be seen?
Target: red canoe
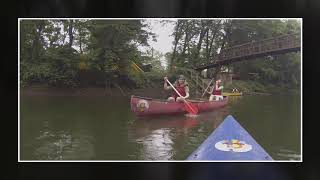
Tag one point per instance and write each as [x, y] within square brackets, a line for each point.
[142, 106]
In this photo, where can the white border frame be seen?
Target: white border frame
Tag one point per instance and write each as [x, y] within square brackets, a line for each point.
[301, 62]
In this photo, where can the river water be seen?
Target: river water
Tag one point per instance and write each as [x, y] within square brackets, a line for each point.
[104, 128]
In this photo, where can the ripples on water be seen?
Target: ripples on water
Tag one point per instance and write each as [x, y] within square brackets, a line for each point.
[100, 129]
[62, 145]
[51, 145]
[288, 154]
[156, 145]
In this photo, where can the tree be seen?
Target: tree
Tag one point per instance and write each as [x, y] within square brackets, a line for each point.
[49, 55]
[177, 35]
[114, 42]
[82, 34]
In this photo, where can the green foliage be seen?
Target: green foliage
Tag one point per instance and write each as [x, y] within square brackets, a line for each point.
[54, 51]
[113, 43]
[139, 79]
[33, 73]
[56, 68]
[63, 61]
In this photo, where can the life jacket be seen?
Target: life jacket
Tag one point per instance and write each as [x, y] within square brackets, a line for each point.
[180, 89]
[217, 92]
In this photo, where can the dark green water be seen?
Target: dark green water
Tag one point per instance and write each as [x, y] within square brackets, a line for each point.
[100, 128]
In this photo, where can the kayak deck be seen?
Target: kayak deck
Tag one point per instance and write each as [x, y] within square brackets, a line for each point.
[230, 141]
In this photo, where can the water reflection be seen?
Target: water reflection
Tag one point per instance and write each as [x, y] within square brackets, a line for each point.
[83, 128]
[232, 100]
[157, 145]
[172, 137]
[157, 135]
[145, 125]
[62, 145]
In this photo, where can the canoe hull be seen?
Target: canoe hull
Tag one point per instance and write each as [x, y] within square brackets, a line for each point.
[141, 106]
[230, 142]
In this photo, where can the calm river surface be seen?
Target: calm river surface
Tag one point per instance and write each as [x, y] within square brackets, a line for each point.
[103, 128]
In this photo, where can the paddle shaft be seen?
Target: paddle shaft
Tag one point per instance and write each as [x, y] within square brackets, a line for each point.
[186, 102]
[207, 88]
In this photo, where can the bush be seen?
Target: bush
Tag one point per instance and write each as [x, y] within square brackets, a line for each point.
[58, 67]
[30, 73]
[139, 80]
[63, 78]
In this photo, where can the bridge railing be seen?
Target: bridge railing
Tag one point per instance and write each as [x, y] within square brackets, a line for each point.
[289, 41]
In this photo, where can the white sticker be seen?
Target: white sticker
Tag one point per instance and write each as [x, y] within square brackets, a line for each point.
[233, 145]
[142, 105]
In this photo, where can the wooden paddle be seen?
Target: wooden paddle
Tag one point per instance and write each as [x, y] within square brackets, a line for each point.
[191, 108]
[207, 87]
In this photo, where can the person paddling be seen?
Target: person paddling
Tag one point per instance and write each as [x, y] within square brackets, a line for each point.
[216, 91]
[235, 90]
[181, 86]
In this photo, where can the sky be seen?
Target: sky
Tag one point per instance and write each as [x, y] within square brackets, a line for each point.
[164, 38]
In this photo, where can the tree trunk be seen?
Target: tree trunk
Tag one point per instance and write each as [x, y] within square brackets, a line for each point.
[185, 43]
[63, 37]
[207, 44]
[212, 39]
[51, 43]
[173, 54]
[36, 44]
[80, 44]
[176, 41]
[203, 31]
[70, 33]
[187, 38]
[225, 39]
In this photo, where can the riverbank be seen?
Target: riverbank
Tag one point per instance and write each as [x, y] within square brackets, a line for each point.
[44, 90]
[256, 88]
[247, 87]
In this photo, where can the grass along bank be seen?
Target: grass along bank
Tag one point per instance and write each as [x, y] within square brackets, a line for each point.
[253, 87]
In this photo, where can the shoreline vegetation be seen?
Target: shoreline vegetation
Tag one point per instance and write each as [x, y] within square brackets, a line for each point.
[115, 57]
[246, 87]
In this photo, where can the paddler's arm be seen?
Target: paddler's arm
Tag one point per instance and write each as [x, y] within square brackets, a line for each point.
[165, 86]
[210, 90]
[216, 85]
[186, 88]
[220, 88]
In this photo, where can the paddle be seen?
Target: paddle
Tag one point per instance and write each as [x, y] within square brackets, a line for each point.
[191, 108]
[207, 87]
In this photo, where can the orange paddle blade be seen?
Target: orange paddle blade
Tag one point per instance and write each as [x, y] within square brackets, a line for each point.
[191, 108]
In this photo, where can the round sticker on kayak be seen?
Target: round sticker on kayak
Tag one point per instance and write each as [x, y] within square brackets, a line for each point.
[142, 105]
[233, 145]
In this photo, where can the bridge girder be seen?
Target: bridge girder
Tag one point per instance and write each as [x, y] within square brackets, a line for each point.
[249, 57]
[271, 46]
